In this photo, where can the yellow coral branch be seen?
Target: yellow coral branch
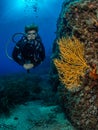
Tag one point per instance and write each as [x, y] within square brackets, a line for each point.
[71, 65]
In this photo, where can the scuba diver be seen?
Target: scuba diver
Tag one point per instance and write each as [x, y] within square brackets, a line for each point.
[29, 50]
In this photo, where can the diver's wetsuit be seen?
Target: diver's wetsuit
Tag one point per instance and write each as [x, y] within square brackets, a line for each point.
[29, 51]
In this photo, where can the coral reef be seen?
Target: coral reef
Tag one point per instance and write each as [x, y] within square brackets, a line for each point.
[78, 18]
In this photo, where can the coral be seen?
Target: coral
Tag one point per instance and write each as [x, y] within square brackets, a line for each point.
[71, 66]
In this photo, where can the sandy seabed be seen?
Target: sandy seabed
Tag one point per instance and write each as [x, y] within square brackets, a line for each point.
[35, 116]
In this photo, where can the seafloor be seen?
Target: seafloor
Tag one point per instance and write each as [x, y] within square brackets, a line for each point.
[28, 102]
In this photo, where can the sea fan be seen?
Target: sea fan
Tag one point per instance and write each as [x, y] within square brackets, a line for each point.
[71, 64]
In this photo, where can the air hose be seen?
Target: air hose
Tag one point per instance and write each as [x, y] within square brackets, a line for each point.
[14, 41]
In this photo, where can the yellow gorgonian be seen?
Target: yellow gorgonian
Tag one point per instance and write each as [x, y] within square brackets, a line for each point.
[71, 65]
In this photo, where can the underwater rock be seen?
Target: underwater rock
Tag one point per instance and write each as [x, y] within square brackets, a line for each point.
[16, 89]
[78, 19]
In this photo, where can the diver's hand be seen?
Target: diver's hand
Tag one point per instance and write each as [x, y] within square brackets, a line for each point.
[28, 66]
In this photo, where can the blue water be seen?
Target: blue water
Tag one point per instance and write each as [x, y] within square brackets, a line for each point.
[14, 15]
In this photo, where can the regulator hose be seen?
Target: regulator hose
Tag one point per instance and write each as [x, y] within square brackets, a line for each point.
[14, 41]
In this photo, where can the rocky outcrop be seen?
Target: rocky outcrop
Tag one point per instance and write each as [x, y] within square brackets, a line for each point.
[79, 19]
[20, 88]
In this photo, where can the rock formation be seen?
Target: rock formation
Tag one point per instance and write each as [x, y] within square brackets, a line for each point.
[78, 19]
